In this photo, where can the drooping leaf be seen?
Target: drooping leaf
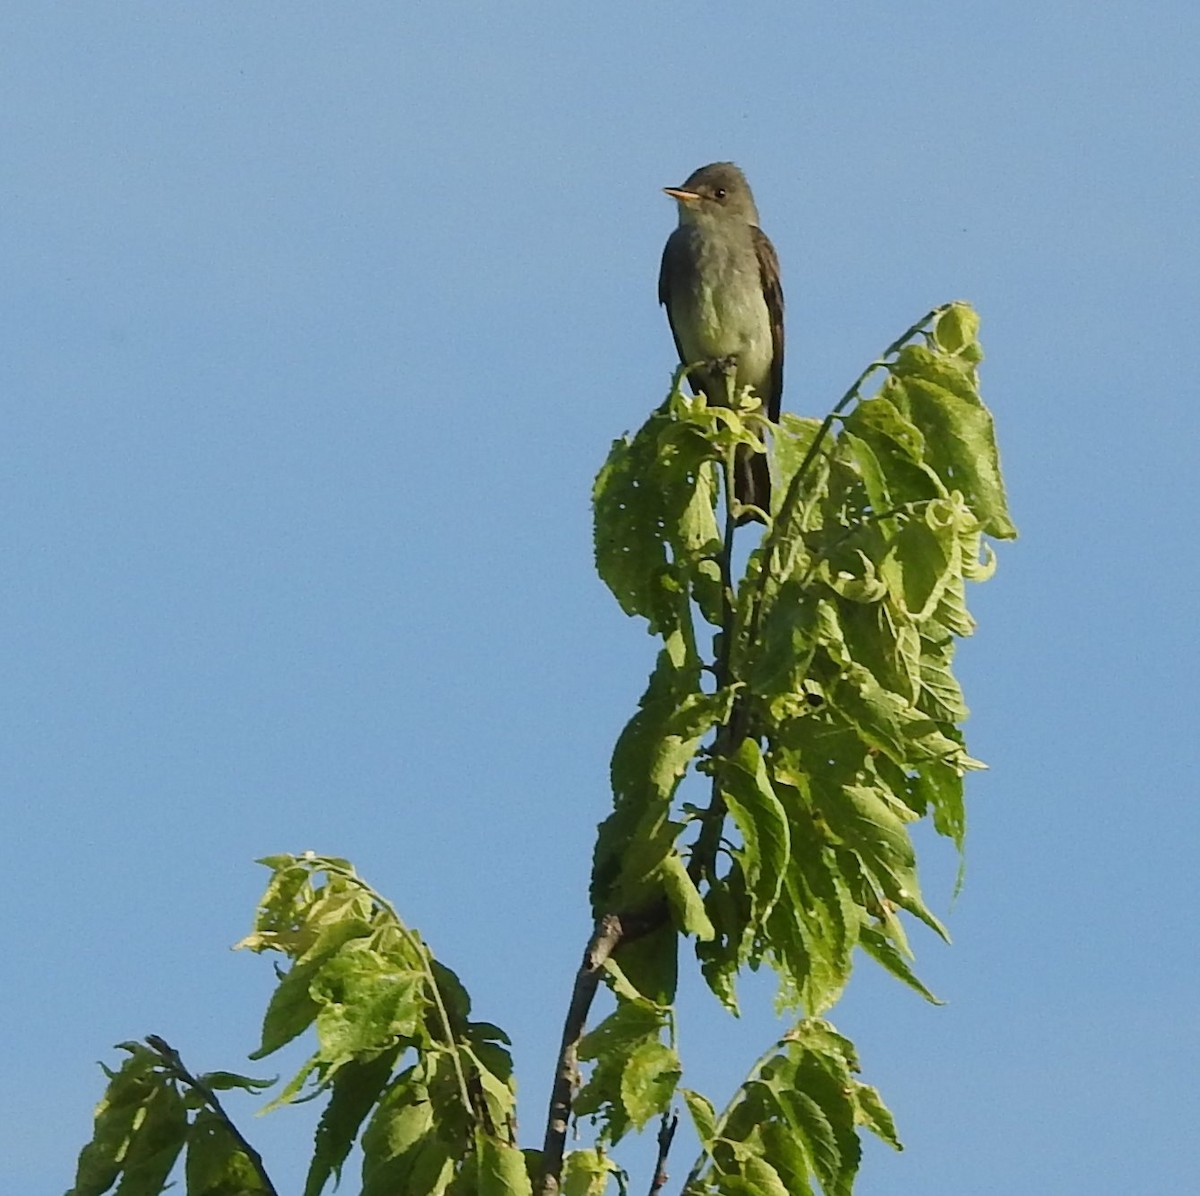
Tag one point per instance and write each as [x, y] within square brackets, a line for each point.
[648, 1081]
[354, 1091]
[216, 1163]
[760, 817]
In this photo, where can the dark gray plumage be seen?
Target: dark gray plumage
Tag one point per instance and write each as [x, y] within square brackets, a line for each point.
[719, 282]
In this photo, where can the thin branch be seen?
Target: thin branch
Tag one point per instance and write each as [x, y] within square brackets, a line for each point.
[666, 1135]
[719, 1125]
[425, 955]
[606, 936]
[170, 1056]
[798, 478]
[730, 734]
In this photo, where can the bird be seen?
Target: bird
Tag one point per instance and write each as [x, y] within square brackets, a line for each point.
[719, 282]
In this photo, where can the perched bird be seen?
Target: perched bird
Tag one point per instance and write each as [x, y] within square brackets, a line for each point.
[719, 282]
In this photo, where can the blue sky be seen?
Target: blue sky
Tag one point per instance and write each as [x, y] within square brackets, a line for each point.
[317, 322]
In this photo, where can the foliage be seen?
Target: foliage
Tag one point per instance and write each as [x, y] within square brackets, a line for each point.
[829, 703]
[821, 725]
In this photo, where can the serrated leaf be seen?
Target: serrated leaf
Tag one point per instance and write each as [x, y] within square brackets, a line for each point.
[116, 1116]
[871, 827]
[653, 500]
[221, 1081]
[760, 817]
[631, 1023]
[365, 1002]
[649, 965]
[875, 1115]
[877, 945]
[502, 1170]
[216, 1164]
[355, 1089]
[813, 931]
[648, 1081]
[879, 417]
[402, 1148]
[961, 448]
[919, 566]
[684, 898]
[704, 1116]
[728, 906]
[757, 1178]
[586, 1173]
[291, 1009]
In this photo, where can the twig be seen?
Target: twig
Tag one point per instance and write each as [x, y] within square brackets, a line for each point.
[719, 1125]
[666, 1135]
[170, 1056]
[731, 734]
[606, 936]
[425, 955]
[793, 490]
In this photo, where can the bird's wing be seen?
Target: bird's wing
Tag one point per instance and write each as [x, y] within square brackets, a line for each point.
[677, 267]
[768, 269]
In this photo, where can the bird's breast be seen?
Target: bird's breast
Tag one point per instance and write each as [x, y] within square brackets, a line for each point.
[718, 307]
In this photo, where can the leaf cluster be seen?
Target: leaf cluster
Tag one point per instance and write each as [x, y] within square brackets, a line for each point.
[426, 1091]
[801, 717]
[151, 1114]
[825, 720]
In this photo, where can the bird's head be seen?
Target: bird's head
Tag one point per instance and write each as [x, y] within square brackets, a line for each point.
[718, 191]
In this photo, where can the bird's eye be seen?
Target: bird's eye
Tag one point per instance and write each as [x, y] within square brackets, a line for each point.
[720, 192]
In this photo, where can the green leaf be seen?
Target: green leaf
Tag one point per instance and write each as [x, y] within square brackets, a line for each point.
[355, 1089]
[502, 1170]
[919, 567]
[877, 945]
[366, 1002]
[139, 1129]
[647, 967]
[291, 1009]
[957, 328]
[704, 1116]
[870, 1111]
[586, 1173]
[961, 448]
[221, 1081]
[631, 1023]
[216, 1164]
[648, 763]
[813, 929]
[760, 817]
[116, 1115]
[654, 512]
[614, 1044]
[870, 825]
[879, 418]
[728, 906]
[687, 905]
[942, 786]
[403, 1150]
[757, 1178]
[648, 1081]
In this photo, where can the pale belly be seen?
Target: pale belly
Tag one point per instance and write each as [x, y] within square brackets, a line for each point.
[726, 316]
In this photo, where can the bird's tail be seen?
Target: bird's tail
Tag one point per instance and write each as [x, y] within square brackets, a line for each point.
[751, 483]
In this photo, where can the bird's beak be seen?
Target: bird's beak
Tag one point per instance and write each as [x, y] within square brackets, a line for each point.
[680, 194]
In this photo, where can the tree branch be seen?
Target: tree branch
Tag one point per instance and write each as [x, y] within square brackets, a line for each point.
[729, 735]
[666, 1135]
[606, 936]
[170, 1056]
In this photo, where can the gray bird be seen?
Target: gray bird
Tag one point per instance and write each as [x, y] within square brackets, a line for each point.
[719, 282]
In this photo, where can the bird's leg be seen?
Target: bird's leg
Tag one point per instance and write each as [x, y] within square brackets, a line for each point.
[726, 367]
